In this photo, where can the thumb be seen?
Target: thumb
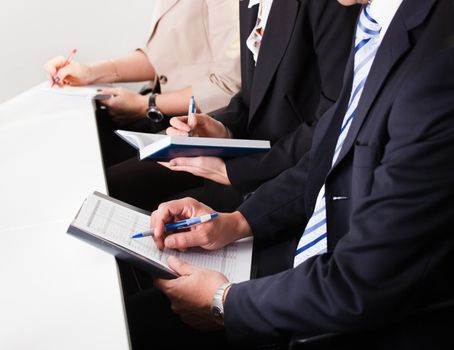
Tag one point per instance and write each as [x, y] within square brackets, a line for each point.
[108, 91]
[182, 161]
[54, 64]
[179, 266]
[64, 72]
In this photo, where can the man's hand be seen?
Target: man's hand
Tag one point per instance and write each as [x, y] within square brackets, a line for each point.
[201, 125]
[192, 293]
[214, 234]
[211, 168]
[124, 106]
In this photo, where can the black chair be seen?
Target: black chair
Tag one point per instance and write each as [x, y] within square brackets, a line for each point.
[341, 341]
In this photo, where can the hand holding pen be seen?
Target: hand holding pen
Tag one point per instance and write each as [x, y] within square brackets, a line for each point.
[177, 225]
[193, 124]
[211, 235]
[55, 78]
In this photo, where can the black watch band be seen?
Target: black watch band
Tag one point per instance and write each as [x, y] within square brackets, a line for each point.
[153, 112]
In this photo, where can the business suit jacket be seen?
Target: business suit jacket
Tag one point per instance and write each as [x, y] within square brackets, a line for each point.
[297, 77]
[196, 43]
[389, 200]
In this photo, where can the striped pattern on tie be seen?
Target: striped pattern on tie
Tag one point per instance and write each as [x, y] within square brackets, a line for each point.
[313, 241]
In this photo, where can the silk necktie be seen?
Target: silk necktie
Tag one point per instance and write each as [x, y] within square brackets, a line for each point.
[367, 40]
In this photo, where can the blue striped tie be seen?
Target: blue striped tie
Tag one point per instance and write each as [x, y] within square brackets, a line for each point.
[313, 241]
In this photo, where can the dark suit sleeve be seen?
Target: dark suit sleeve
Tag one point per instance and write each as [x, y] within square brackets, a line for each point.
[234, 116]
[278, 204]
[399, 249]
[332, 32]
[283, 154]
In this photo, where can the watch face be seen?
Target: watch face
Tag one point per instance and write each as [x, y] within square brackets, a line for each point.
[154, 115]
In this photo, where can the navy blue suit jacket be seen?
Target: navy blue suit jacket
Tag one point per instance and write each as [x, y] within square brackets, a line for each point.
[390, 237]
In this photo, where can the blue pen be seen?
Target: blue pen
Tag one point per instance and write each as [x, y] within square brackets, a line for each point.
[191, 111]
[179, 224]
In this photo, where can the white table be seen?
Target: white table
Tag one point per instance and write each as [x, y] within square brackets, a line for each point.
[56, 292]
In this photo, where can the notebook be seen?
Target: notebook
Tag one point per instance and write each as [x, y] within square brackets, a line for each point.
[161, 147]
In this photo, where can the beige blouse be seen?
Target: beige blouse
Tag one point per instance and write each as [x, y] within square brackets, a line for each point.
[196, 43]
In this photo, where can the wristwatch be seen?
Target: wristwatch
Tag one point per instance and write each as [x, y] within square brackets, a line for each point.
[217, 305]
[153, 112]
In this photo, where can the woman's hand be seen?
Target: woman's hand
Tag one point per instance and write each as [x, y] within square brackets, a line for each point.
[211, 168]
[201, 125]
[124, 106]
[74, 73]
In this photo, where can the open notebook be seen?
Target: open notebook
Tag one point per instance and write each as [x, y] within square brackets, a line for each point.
[108, 224]
[158, 146]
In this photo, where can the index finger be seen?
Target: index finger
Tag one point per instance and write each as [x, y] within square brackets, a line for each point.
[158, 219]
[161, 284]
[180, 123]
[54, 64]
[166, 212]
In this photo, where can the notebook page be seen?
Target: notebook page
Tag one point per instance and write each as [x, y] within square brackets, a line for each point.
[88, 91]
[140, 139]
[117, 223]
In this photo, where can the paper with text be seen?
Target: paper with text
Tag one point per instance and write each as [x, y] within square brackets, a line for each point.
[116, 223]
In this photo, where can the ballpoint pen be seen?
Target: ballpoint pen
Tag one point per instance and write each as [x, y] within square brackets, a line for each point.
[191, 111]
[68, 61]
[179, 224]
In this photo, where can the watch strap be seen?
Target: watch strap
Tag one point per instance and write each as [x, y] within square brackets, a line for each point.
[152, 100]
[217, 305]
[153, 112]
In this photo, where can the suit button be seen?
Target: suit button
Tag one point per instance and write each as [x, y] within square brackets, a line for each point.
[163, 79]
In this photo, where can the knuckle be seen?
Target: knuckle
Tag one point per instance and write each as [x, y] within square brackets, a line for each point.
[181, 241]
[204, 238]
[161, 207]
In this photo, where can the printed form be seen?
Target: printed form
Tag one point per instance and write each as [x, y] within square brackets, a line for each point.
[115, 222]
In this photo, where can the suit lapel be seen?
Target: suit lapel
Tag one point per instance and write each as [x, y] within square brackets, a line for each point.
[162, 6]
[394, 45]
[248, 18]
[326, 135]
[277, 35]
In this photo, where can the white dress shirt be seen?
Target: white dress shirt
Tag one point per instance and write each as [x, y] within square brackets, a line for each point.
[255, 38]
[383, 12]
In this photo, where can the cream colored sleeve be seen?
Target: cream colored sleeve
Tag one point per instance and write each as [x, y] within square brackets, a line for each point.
[224, 80]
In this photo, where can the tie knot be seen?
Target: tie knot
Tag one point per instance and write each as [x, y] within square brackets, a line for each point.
[367, 25]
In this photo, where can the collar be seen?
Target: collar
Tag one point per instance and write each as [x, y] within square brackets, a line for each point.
[383, 12]
[253, 3]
